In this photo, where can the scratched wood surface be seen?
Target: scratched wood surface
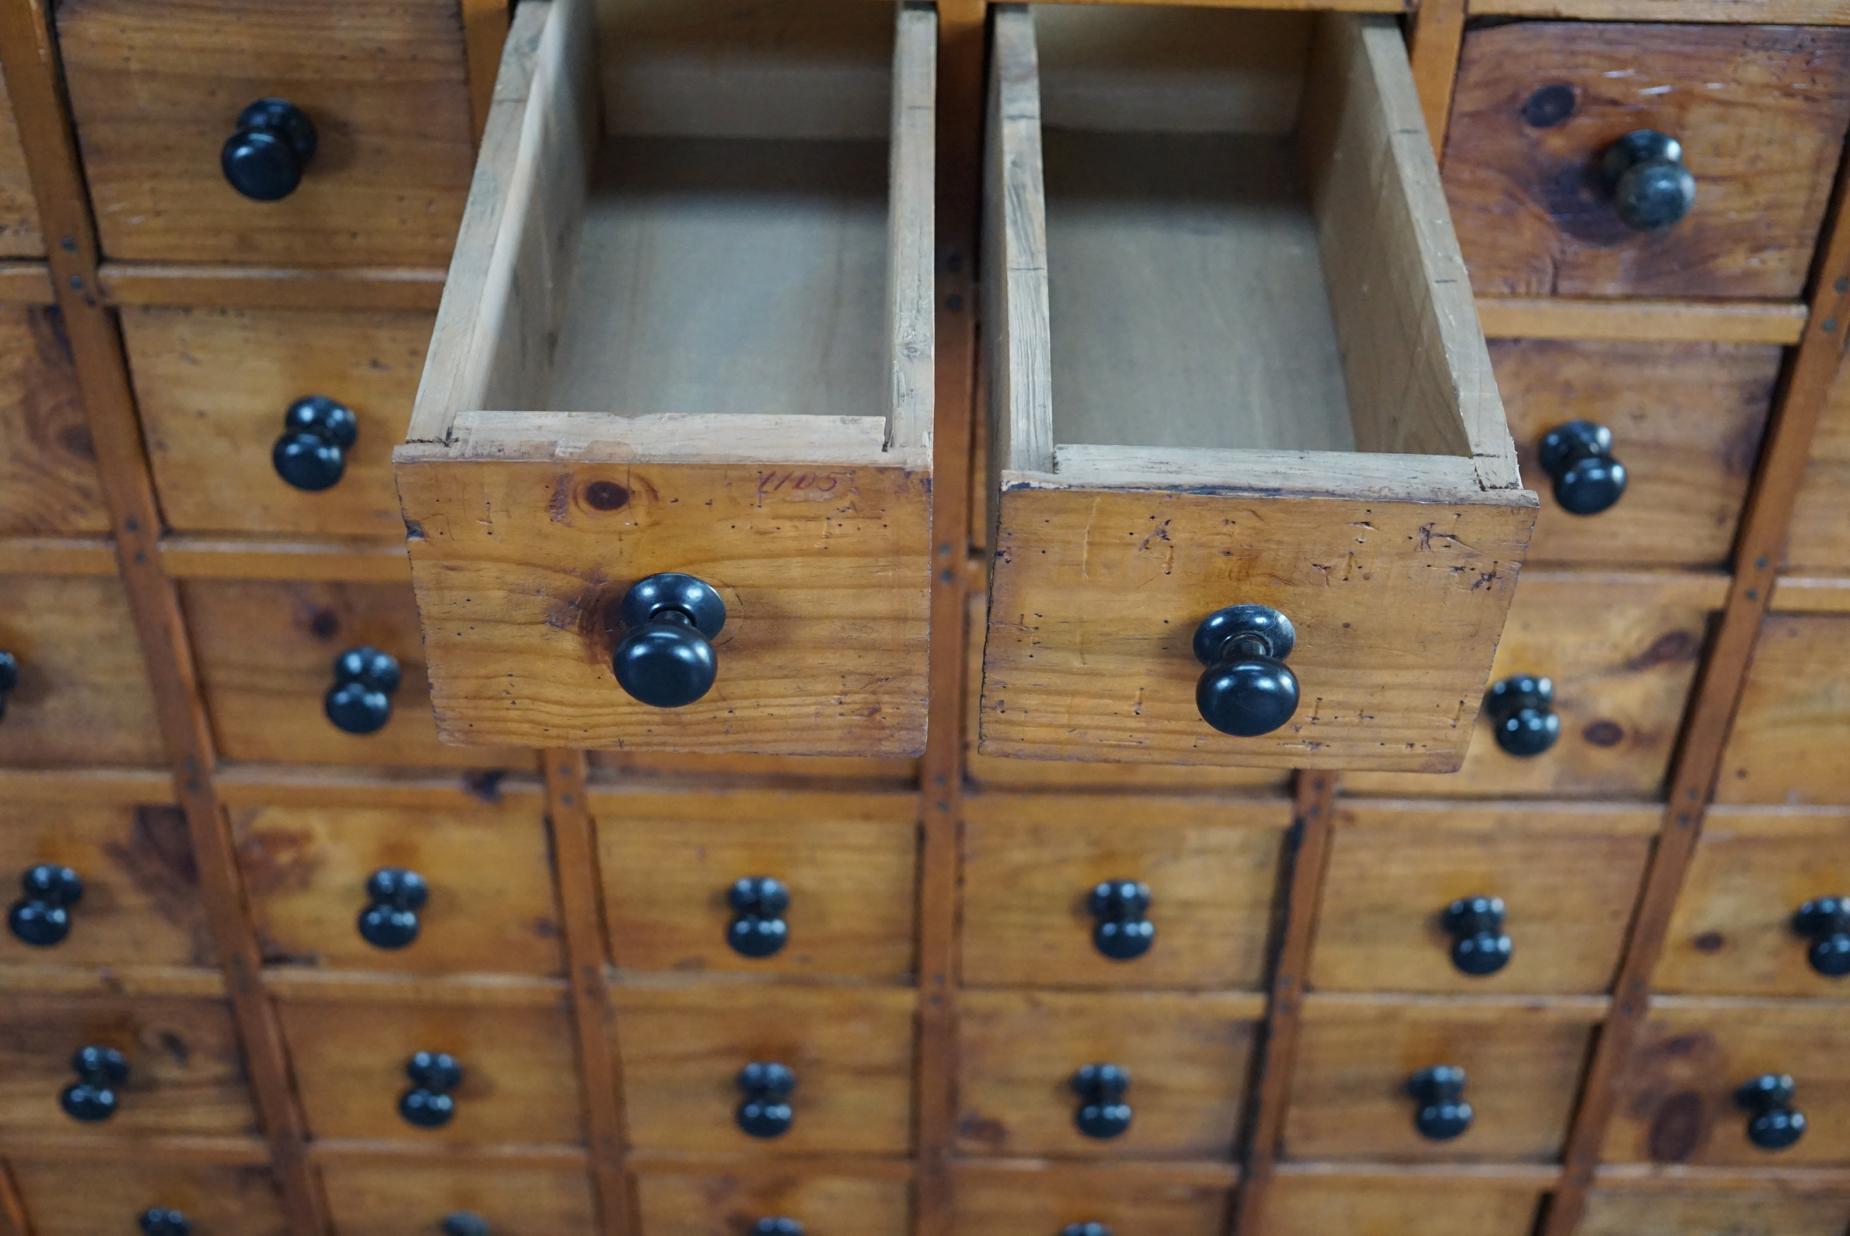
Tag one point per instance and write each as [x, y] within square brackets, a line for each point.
[48, 478]
[390, 1199]
[68, 1198]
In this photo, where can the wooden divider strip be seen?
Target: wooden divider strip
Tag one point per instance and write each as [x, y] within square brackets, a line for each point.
[1434, 38]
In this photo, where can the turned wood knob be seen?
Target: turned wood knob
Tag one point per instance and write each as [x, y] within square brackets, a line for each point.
[1247, 689]
[311, 455]
[1826, 922]
[92, 1097]
[666, 657]
[1102, 1113]
[1441, 1112]
[777, 1227]
[360, 699]
[1521, 708]
[160, 1221]
[394, 895]
[1578, 458]
[1772, 1122]
[1479, 944]
[1085, 1229]
[1122, 931]
[765, 1111]
[758, 928]
[42, 915]
[1650, 187]
[265, 157]
[428, 1104]
[464, 1223]
[9, 679]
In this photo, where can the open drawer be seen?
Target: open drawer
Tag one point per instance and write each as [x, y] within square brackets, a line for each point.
[667, 478]
[1233, 363]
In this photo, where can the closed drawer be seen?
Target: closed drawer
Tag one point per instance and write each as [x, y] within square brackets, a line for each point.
[48, 479]
[392, 1199]
[1681, 1097]
[1024, 1089]
[734, 1203]
[1685, 422]
[846, 1053]
[1309, 1205]
[1361, 1086]
[1759, 112]
[713, 312]
[430, 891]
[1618, 1212]
[1820, 536]
[1045, 902]
[19, 215]
[91, 1198]
[1620, 654]
[1479, 899]
[515, 1076]
[159, 92]
[135, 900]
[1003, 1200]
[268, 421]
[82, 693]
[1793, 721]
[268, 653]
[176, 1070]
[760, 882]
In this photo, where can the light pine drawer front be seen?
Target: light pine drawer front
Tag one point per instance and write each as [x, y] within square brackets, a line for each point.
[1820, 537]
[734, 1203]
[1034, 864]
[48, 477]
[1793, 721]
[1007, 1200]
[1566, 879]
[1351, 1086]
[830, 882]
[1759, 111]
[100, 1198]
[427, 891]
[137, 888]
[216, 388]
[1685, 421]
[267, 652]
[519, 1071]
[19, 216]
[396, 1198]
[850, 1051]
[1308, 1205]
[1616, 1212]
[158, 91]
[82, 695]
[1019, 1054]
[1680, 1095]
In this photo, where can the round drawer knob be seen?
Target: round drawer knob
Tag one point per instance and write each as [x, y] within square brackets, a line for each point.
[265, 157]
[1650, 187]
[777, 1227]
[317, 434]
[1578, 458]
[1522, 710]
[9, 678]
[1479, 944]
[160, 1221]
[1247, 689]
[1122, 932]
[1826, 921]
[1102, 1114]
[42, 915]
[394, 897]
[92, 1097]
[428, 1104]
[666, 657]
[758, 928]
[765, 1111]
[1441, 1113]
[1085, 1229]
[463, 1223]
[1772, 1122]
[360, 699]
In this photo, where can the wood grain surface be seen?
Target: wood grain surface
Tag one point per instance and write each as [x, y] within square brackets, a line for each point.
[19, 215]
[730, 1204]
[1615, 1212]
[391, 1199]
[1794, 716]
[1004, 1203]
[86, 1196]
[1309, 1206]
[48, 478]
[1820, 537]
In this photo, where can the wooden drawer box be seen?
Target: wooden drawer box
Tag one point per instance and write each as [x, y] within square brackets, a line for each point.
[1618, 1212]
[1187, 417]
[19, 214]
[1760, 113]
[1008, 1200]
[733, 1204]
[48, 478]
[393, 1199]
[102, 1198]
[688, 337]
[1310, 1205]
[1793, 721]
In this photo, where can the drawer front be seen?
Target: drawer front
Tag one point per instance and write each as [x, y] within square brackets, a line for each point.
[19, 215]
[391, 1200]
[734, 1204]
[184, 1074]
[1012, 1202]
[89, 1198]
[1431, 1206]
[1621, 653]
[1686, 421]
[1351, 1085]
[1019, 1055]
[217, 389]
[1793, 721]
[82, 696]
[137, 897]
[48, 478]
[158, 91]
[683, 1051]
[1616, 1212]
[1679, 1094]
[519, 1070]
[267, 652]
[463, 891]
[1566, 878]
[1033, 864]
[1820, 537]
[829, 882]
[1760, 112]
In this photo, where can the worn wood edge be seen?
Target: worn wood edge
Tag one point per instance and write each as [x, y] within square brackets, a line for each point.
[1807, 12]
[1695, 589]
[628, 797]
[484, 30]
[1244, 808]
[100, 1149]
[1641, 321]
[122, 786]
[744, 439]
[1652, 1178]
[197, 557]
[1801, 594]
[47, 555]
[244, 287]
[1832, 1007]
[303, 986]
[279, 785]
[25, 283]
[1423, 1176]
[1463, 815]
[666, 1164]
[133, 981]
[1497, 1009]
[911, 228]
[486, 1156]
[1341, 475]
[1126, 1174]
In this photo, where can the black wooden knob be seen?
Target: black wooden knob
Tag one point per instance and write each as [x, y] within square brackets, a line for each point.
[1650, 187]
[265, 157]
[463, 1223]
[360, 699]
[1826, 921]
[1102, 1113]
[1122, 931]
[758, 927]
[765, 1111]
[1578, 458]
[1247, 689]
[666, 657]
[394, 897]
[1479, 944]
[317, 434]
[1085, 1229]
[92, 1097]
[1772, 1122]
[428, 1104]
[42, 915]
[160, 1221]
[1521, 708]
[9, 679]
[1441, 1112]
[777, 1227]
